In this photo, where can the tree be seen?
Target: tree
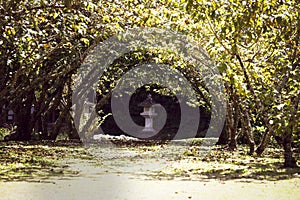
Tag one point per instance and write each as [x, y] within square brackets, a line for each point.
[43, 44]
[254, 43]
[256, 46]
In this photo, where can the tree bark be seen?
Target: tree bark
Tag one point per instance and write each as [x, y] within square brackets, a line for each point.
[22, 118]
[224, 137]
[232, 118]
[266, 138]
[289, 160]
[247, 130]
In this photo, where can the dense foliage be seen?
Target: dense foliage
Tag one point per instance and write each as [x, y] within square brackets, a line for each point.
[255, 45]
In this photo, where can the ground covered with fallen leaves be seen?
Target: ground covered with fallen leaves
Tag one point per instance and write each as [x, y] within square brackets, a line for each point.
[143, 162]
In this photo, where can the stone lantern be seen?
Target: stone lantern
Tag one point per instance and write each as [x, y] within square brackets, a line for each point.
[148, 114]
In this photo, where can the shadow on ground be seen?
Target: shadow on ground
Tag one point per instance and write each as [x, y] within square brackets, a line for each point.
[39, 162]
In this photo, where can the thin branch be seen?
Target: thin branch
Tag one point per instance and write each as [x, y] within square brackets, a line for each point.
[215, 34]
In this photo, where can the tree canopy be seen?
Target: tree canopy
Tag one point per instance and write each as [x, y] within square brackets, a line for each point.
[255, 45]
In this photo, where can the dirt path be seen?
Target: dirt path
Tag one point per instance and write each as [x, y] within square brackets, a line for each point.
[125, 186]
[95, 183]
[160, 173]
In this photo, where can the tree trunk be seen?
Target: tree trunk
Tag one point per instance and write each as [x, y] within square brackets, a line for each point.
[232, 142]
[224, 137]
[72, 131]
[289, 160]
[45, 126]
[247, 130]
[57, 126]
[22, 120]
[266, 137]
[232, 117]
